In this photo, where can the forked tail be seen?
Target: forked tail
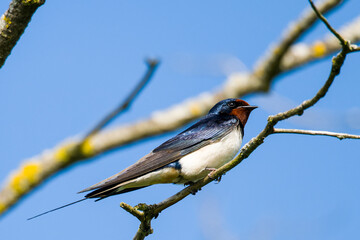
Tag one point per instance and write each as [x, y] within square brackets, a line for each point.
[52, 210]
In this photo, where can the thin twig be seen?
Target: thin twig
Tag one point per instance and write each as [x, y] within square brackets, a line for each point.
[331, 29]
[64, 154]
[269, 66]
[132, 210]
[145, 216]
[152, 66]
[254, 143]
[302, 53]
[340, 136]
[354, 48]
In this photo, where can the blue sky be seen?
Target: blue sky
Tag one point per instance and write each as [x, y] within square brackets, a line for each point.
[78, 59]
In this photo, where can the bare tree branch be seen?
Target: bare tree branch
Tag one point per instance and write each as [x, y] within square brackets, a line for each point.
[143, 216]
[327, 24]
[342, 41]
[152, 211]
[13, 23]
[152, 66]
[27, 176]
[340, 136]
[270, 65]
[37, 169]
[302, 53]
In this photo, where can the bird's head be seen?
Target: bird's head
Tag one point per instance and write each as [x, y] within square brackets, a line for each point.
[233, 106]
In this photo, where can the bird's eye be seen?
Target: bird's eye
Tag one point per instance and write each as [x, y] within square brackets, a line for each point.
[231, 104]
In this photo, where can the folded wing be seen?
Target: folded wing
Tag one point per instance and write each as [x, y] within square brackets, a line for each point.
[210, 129]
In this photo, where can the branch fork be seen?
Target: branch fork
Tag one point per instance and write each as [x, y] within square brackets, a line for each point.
[284, 57]
[145, 213]
[151, 211]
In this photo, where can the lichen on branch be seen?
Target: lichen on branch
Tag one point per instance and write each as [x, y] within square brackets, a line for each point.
[67, 153]
[13, 23]
[147, 215]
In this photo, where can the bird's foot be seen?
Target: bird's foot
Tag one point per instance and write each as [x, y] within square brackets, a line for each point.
[194, 191]
[218, 179]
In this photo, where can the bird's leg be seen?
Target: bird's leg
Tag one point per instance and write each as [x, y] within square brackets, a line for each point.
[218, 179]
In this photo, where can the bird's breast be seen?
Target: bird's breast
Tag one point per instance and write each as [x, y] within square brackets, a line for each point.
[193, 165]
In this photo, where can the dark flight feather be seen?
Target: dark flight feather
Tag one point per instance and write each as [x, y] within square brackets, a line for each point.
[55, 209]
[209, 129]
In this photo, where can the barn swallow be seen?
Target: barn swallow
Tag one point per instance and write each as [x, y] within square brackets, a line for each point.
[186, 158]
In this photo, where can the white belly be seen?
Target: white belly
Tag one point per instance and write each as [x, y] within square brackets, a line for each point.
[212, 156]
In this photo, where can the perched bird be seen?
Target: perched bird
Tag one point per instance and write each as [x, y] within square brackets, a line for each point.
[186, 158]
